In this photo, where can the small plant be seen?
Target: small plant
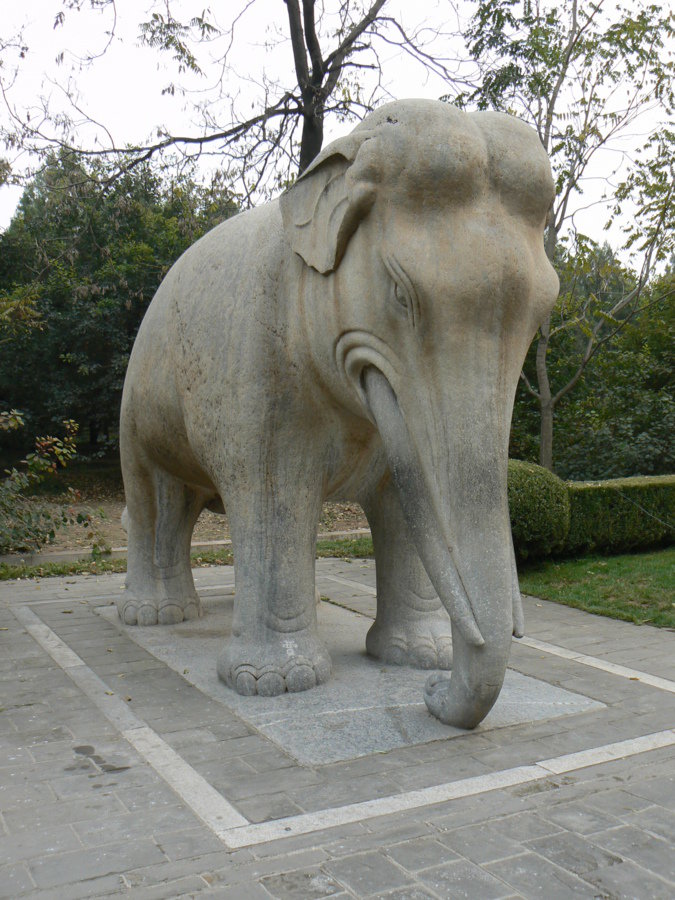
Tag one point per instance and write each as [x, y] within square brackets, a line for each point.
[25, 525]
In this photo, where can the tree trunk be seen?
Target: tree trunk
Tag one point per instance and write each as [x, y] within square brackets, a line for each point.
[546, 405]
[546, 436]
[312, 134]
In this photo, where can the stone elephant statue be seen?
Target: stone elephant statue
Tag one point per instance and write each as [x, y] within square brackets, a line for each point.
[360, 338]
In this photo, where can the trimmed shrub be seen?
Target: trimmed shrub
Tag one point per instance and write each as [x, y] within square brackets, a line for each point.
[621, 515]
[540, 510]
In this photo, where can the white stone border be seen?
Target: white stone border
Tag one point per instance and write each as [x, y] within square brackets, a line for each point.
[235, 831]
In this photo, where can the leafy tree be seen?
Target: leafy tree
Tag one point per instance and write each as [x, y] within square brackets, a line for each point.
[277, 126]
[582, 74]
[619, 419]
[87, 264]
[25, 525]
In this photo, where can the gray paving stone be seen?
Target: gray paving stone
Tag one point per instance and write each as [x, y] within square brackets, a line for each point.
[626, 881]
[651, 852]
[367, 873]
[220, 751]
[320, 795]
[301, 884]
[415, 892]
[579, 818]
[574, 853]
[329, 839]
[238, 892]
[569, 821]
[268, 807]
[657, 820]
[112, 829]
[14, 880]
[19, 793]
[481, 843]
[44, 815]
[657, 790]
[268, 782]
[144, 798]
[472, 810]
[617, 802]
[181, 887]
[395, 831]
[187, 843]
[205, 866]
[105, 886]
[271, 760]
[421, 853]
[80, 865]
[462, 879]
[533, 876]
[523, 827]
[31, 843]
[249, 872]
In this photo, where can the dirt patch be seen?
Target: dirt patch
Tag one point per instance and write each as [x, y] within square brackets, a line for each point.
[106, 529]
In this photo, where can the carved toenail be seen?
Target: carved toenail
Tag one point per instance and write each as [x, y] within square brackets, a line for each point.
[300, 678]
[147, 615]
[245, 684]
[271, 684]
[170, 614]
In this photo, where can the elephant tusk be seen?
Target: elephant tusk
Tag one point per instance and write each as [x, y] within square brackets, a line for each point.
[416, 504]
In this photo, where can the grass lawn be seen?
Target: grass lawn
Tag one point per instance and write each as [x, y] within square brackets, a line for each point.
[636, 587]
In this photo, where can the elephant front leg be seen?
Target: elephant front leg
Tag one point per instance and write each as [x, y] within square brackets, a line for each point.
[411, 627]
[274, 646]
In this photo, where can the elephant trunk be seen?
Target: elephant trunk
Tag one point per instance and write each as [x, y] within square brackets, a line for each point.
[461, 531]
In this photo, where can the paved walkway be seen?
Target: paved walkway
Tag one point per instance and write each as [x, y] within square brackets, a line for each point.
[123, 773]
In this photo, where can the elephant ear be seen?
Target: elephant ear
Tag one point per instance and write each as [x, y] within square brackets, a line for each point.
[322, 210]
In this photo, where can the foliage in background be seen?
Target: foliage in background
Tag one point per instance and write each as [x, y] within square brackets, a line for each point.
[539, 507]
[582, 74]
[25, 524]
[620, 418]
[621, 515]
[90, 263]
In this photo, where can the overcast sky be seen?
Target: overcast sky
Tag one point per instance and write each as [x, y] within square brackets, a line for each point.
[123, 89]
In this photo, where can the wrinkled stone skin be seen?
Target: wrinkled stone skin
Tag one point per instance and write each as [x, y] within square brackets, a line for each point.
[360, 338]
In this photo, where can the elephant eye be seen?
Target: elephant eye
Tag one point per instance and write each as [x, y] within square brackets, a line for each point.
[403, 292]
[400, 295]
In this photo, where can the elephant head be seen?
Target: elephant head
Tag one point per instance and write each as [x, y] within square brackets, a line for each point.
[423, 234]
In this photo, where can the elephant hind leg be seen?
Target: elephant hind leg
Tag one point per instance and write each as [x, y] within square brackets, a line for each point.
[161, 515]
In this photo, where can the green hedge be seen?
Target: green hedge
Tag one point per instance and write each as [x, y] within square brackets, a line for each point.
[540, 510]
[621, 515]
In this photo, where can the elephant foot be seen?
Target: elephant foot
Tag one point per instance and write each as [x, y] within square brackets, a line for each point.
[423, 641]
[285, 662]
[157, 610]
